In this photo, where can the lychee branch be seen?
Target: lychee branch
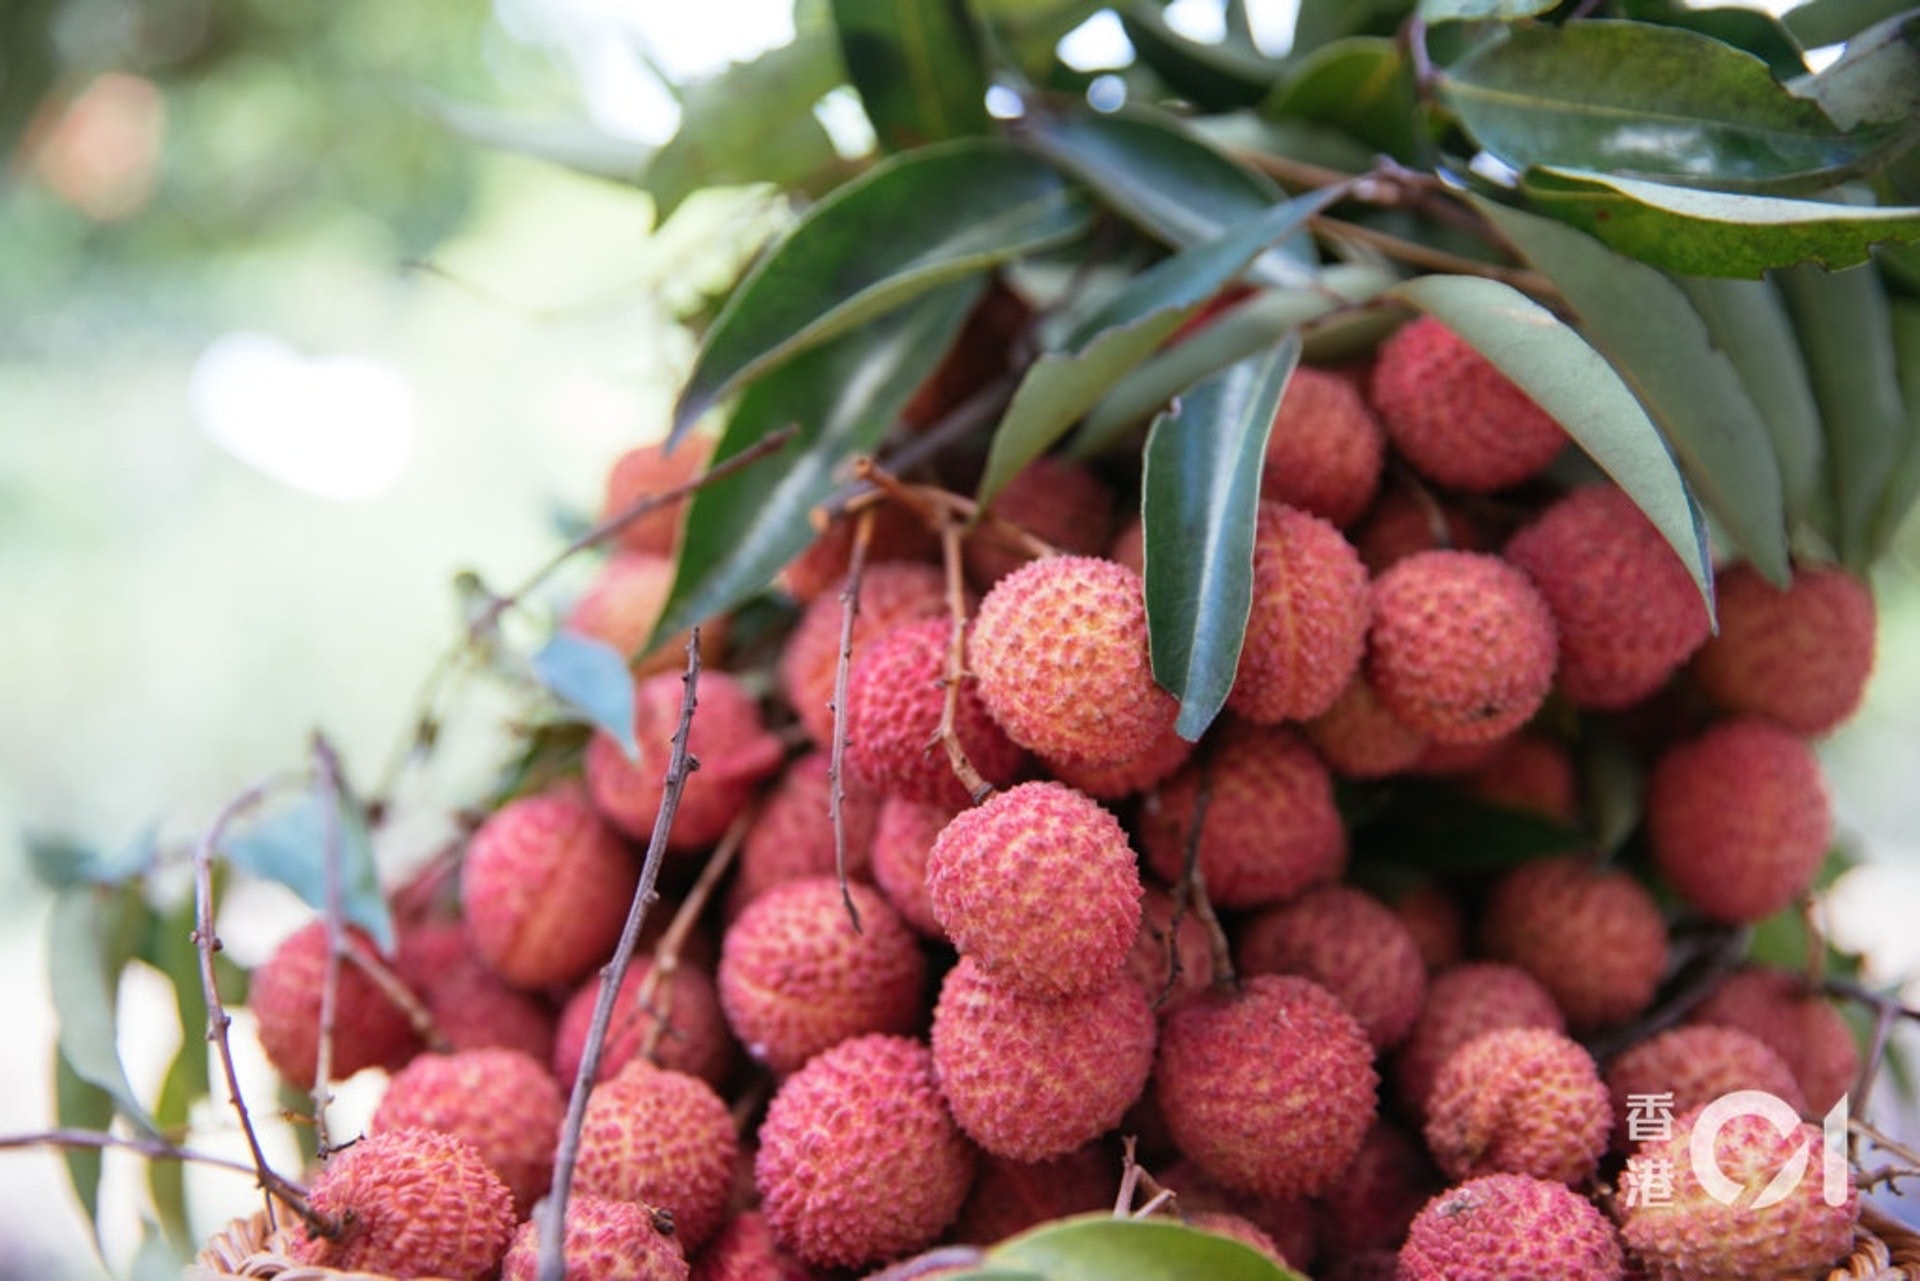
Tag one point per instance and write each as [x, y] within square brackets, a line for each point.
[656, 990]
[680, 763]
[1192, 893]
[843, 664]
[153, 1149]
[1887, 1010]
[978, 789]
[1419, 255]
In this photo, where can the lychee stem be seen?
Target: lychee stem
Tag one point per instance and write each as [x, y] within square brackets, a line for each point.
[843, 664]
[656, 990]
[1192, 892]
[978, 789]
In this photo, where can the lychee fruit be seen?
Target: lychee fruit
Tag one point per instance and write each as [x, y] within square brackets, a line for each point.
[1029, 1079]
[1325, 450]
[1063, 504]
[859, 1159]
[1117, 782]
[1350, 943]
[899, 534]
[1359, 738]
[1408, 519]
[1433, 916]
[1799, 1025]
[1129, 546]
[1532, 773]
[1509, 1227]
[891, 593]
[1371, 1204]
[796, 976]
[1060, 650]
[1587, 554]
[1465, 1002]
[902, 841]
[1040, 886]
[643, 472]
[1291, 1223]
[664, 1139]
[1270, 828]
[1307, 625]
[622, 604]
[503, 1102]
[1269, 1090]
[694, 1038]
[1519, 1101]
[545, 889]
[1800, 656]
[472, 1008]
[1451, 413]
[1739, 819]
[792, 835]
[1462, 647]
[369, 1030]
[1008, 1197]
[896, 699]
[409, 1203]
[1688, 1067]
[1695, 1233]
[1593, 936]
[605, 1240]
[1172, 956]
[745, 1250]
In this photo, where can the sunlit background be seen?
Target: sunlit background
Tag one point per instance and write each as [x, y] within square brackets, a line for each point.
[281, 353]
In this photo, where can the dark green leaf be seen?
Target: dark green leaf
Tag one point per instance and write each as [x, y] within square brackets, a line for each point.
[1571, 381]
[1298, 140]
[843, 396]
[1760, 34]
[1823, 22]
[78, 1104]
[1363, 86]
[88, 947]
[1099, 1247]
[1165, 180]
[1027, 31]
[917, 66]
[291, 843]
[911, 224]
[591, 677]
[1846, 332]
[1652, 102]
[1214, 77]
[60, 862]
[1653, 337]
[1614, 784]
[1903, 487]
[1877, 79]
[1199, 496]
[1747, 320]
[1443, 830]
[1321, 22]
[1434, 12]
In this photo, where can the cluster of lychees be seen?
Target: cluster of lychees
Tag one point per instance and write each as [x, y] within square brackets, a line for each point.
[1114, 931]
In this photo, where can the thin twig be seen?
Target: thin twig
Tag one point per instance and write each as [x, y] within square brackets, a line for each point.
[1718, 954]
[1412, 251]
[680, 763]
[395, 989]
[843, 665]
[1192, 890]
[1293, 173]
[958, 423]
[1130, 1173]
[152, 1149]
[666, 952]
[948, 735]
[326, 780]
[1887, 1010]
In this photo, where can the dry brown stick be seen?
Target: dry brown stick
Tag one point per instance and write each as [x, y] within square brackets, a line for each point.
[153, 1149]
[1412, 251]
[843, 664]
[680, 763]
[1887, 1010]
[395, 989]
[666, 952]
[963, 420]
[937, 506]
[1192, 890]
[1297, 173]
[948, 735]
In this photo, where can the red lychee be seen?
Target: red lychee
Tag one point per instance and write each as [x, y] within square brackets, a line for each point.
[1325, 450]
[622, 604]
[1063, 504]
[369, 1030]
[1433, 916]
[1117, 782]
[1519, 1101]
[891, 593]
[745, 1250]
[1593, 936]
[899, 534]
[1307, 627]
[1008, 1197]
[694, 1039]
[502, 1101]
[605, 1240]
[1530, 772]
[664, 1139]
[1800, 656]
[1371, 1204]
[1359, 738]
[472, 1008]
[1172, 957]
[1350, 943]
[646, 471]
[1407, 520]
[902, 841]
[1463, 1003]
[792, 835]
[1508, 1227]
[1799, 1025]
[1689, 1067]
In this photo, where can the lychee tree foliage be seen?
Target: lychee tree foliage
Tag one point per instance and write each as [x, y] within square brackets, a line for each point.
[1694, 253]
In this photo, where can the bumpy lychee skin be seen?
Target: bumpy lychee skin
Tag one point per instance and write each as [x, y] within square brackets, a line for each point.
[1800, 656]
[1062, 503]
[1008, 1197]
[745, 1250]
[1519, 1101]
[695, 1039]
[1270, 829]
[1739, 819]
[1463, 1003]
[645, 471]
[796, 977]
[1269, 1090]
[545, 888]
[1530, 772]
[891, 593]
[1508, 1227]
[902, 842]
[792, 835]
[502, 1101]
[899, 534]
[1326, 448]
[622, 604]
[1802, 1027]
[1433, 916]
[665, 1139]
[1172, 956]
[1350, 943]
[1060, 649]
[411, 1203]
[472, 1008]
[859, 1159]
[1589, 553]
[1030, 1079]
[1694, 1234]
[1593, 936]
[1407, 520]
[1039, 886]
[896, 696]
[1116, 782]
[605, 1240]
[1359, 738]
[1371, 1204]
[1307, 628]
[1692, 1066]
[1462, 647]
[1453, 415]
[369, 1030]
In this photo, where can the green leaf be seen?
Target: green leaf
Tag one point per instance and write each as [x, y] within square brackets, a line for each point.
[1748, 321]
[913, 223]
[1027, 31]
[1654, 338]
[917, 66]
[843, 396]
[171, 950]
[1760, 34]
[1846, 332]
[1434, 12]
[1363, 86]
[1613, 783]
[1652, 102]
[1823, 22]
[1199, 496]
[1213, 76]
[1712, 233]
[1571, 381]
[60, 862]
[1903, 488]
[290, 844]
[88, 947]
[1444, 831]
[1165, 180]
[592, 678]
[78, 1104]
[1099, 1247]
[1321, 22]
[1876, 79]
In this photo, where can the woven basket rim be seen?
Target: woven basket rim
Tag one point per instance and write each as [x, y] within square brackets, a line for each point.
[250, 1246]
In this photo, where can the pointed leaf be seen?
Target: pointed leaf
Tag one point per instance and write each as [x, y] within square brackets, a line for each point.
[1760, 34]
[1215, 77]
[593, 679]
[1321, 22]
[1571, 381]
[911, 224]
[1165, 180]
[1199, 496]
[1652, 335]
[87, 950]
[917, 67]
[290, 844]
[1715, 233]
[1653, 102]
[1099, 1247]
[78, 1104]
[1445, 831]
[843, 396]
[1363, 86]
[1820, 23]
[1876, 79]
[1434, 12]
[171, 950]
[1903, 487]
